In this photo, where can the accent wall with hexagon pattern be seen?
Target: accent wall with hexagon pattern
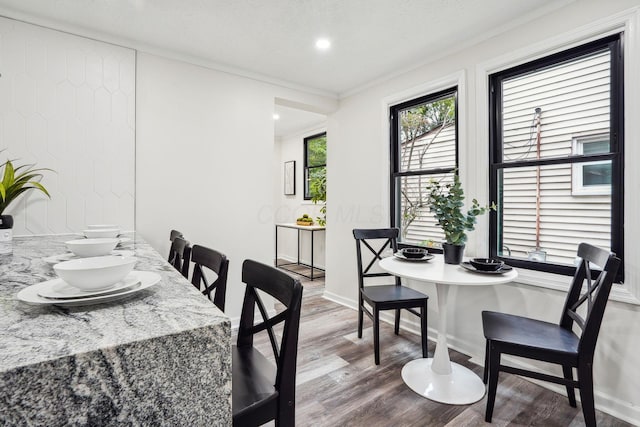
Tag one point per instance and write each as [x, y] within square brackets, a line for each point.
[68, 103]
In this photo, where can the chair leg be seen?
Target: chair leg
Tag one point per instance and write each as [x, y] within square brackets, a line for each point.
[485, 376]
[397, 324]
[571, 393]
[376, 334]
[494, 370]
[360, 315]
[585, 376]
[423, 327]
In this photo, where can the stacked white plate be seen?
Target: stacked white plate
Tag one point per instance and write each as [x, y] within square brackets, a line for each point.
[91, 280]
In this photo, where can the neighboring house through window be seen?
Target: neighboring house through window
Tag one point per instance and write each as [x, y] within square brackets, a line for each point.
[556, 157]
[592, 178]
[424, 146]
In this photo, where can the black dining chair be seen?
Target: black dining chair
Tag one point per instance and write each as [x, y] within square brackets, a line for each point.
[262, 392]
[173, 234]
[556, 343]
[384, 297]
[203, 259]
[180, 255]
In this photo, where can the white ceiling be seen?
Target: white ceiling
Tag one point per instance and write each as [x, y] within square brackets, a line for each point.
[273, 40]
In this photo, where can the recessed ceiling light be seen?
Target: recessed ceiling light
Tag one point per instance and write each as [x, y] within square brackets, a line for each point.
[276, 116]
[323, 44]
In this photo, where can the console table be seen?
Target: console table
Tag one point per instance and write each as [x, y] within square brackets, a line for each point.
[285, 266]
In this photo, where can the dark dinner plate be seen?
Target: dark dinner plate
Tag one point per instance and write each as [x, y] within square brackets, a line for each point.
[425, 258]
[505, 268]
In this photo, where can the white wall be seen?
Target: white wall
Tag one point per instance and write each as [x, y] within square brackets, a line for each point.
[357, 179]
[290, 207]
[67, 104]
[205, 161]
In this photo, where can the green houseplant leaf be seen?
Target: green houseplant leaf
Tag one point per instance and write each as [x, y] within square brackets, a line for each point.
[446, 201]
[17, 180]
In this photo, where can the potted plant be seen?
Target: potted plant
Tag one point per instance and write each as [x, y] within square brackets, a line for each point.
[15, 181]
[446, 203]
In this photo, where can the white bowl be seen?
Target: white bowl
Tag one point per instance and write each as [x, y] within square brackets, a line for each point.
[102, 233]
[91, 247]
[90, 274]
[101, 226]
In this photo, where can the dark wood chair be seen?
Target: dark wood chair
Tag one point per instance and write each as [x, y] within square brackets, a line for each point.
[261, 391]
[384, 297]
[180, 255]
[205, 258]
[556, 343]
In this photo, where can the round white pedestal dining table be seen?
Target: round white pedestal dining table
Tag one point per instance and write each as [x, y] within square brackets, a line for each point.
[438, 378]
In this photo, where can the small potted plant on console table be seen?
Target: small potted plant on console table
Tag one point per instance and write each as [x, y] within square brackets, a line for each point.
[446, 203]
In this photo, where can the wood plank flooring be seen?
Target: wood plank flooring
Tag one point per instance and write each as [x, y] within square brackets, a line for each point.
[338, 383]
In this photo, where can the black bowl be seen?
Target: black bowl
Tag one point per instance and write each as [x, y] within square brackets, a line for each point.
[414, 253]
[486, 264]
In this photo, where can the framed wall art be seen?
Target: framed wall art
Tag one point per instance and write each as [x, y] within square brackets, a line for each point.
[290, 178]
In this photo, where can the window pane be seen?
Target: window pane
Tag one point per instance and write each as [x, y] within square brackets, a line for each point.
[427, 135]
[315, 157]
[314, 175]
[418, 225]
[556, 224]
[542, 110]
[595, 147]
[596, 174]
[317, 151]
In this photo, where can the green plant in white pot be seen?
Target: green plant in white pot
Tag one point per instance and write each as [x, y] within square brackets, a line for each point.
[446, 201]
[15, 181]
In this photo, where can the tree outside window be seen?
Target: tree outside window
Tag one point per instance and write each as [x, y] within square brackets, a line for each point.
[315, 167]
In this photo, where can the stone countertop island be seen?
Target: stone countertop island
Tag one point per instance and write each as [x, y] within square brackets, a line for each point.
[162, 356]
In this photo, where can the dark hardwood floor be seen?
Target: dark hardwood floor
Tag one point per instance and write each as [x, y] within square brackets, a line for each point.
[338, 383]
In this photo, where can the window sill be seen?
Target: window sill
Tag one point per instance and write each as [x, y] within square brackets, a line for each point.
[619, 292]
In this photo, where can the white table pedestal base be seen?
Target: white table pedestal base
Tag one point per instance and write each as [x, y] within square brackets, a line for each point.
[461, 387]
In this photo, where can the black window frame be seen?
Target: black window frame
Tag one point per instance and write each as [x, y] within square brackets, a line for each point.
[394, 157]
[307, 169]
[612, 43]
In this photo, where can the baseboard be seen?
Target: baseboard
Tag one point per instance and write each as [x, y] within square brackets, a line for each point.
[340, 300]
[603, 402]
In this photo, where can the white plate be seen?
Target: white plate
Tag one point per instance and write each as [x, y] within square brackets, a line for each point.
[59, 289]
[70, 255]
[30, 295]
[425, 258]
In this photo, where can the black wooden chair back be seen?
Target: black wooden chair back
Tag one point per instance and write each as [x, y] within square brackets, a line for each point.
[387, 239]
[180, 255]
[175, 233]
[257, 396]
[594, 298]
[557, 343]
[204, 258]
